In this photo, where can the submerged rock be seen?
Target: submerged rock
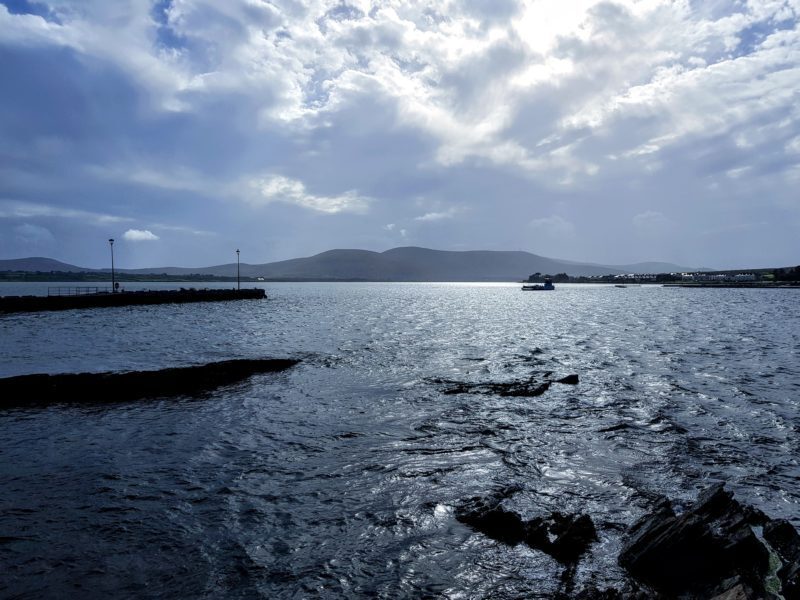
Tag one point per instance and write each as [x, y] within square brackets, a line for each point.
[525, 388]
[113, 387]
[712, 550]
[529, 388]
[564, 537]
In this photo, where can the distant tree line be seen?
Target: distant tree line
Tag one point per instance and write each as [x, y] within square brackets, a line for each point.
[788, 274]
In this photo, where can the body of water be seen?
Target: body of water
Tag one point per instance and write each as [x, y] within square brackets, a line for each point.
[340, 477]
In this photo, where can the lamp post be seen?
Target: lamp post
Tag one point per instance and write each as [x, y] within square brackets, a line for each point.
[238, 280]
[113, 282]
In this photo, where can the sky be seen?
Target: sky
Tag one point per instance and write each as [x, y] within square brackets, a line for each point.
[597, 131]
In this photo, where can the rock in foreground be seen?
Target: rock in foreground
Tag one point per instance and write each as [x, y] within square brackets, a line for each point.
[717, 548]
[564, 537]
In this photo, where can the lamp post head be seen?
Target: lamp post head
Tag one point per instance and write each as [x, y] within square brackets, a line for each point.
[111, 241]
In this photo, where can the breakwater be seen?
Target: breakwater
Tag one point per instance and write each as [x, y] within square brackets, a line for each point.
[42, 388]
[14, 304]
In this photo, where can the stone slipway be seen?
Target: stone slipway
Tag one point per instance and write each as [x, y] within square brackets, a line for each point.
[42, 389]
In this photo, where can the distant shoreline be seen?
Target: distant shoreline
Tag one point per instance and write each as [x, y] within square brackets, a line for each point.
[760, 285]
[49, 278]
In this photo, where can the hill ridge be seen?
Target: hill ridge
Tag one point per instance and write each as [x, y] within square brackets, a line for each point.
[404, 263]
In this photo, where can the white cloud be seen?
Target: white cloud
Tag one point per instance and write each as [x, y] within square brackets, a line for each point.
[439, 215]
[276, 188]
[25, 210]
[463, 76]
[139, 235]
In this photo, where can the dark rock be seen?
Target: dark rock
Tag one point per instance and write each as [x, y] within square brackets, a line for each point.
[569, 379]
[617, 427]
[564, 537]
[707, 551]
[784, 539]
[114, 387]
[488, 516]
[529, 388]
[738, 592]
[593, 593]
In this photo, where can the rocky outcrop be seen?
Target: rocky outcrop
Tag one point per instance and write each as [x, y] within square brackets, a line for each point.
[564, 537]
[717, 548]
[527, 388]
[37, 389]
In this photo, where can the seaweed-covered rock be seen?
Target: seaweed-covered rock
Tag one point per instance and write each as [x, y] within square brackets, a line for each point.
[710, 550]
[784, 539]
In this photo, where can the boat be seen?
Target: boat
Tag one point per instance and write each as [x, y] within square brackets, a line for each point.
[548, 285]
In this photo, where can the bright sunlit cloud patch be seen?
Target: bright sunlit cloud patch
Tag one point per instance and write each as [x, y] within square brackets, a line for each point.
[140, 235]
[276, 188]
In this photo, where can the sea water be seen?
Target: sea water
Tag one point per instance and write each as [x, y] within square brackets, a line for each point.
[340, 477]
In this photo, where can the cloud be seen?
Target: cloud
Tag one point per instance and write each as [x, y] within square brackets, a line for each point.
[187, 112]
[24, 210]
[276, 188]
[34, 235]
[139, 235]
[178, 179]
[183, 229]
[438, 215]
[554, 226]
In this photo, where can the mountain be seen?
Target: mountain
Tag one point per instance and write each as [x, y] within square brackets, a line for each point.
[397, 264]
[39, 263]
